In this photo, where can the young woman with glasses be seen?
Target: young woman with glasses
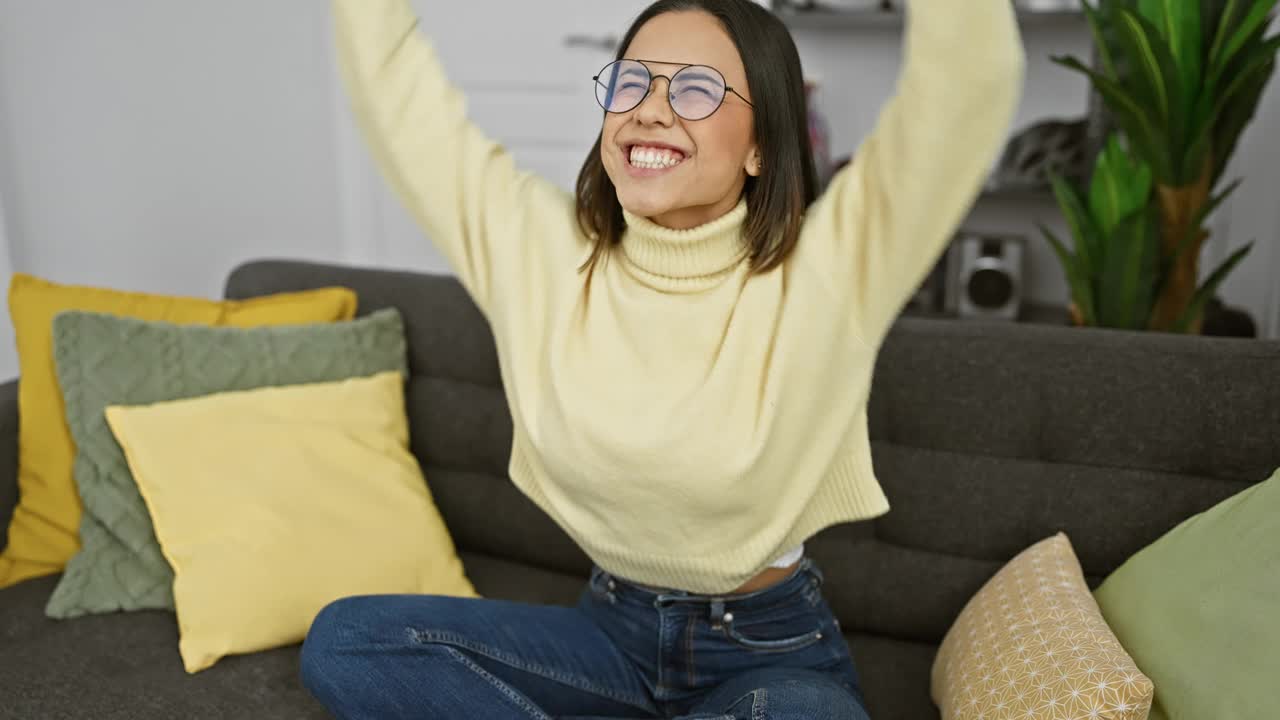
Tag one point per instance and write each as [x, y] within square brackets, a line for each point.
[687, 343]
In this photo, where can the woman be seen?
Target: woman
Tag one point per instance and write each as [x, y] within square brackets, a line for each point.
[687, 346]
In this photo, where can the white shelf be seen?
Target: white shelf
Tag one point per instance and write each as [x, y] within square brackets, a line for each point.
[1020, 194]
[835, 20]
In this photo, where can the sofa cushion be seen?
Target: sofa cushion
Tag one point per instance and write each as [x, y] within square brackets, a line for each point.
[987, 437]
[43, 532]
[1197, 609]
[1032, 643]
[106, 360]
[125, 666]
[894, 675]
[303, 494]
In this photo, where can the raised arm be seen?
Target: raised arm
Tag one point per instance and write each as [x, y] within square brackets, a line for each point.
[886, 218]
[461, 187]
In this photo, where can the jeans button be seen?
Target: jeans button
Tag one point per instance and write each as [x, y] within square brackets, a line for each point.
[613, 585]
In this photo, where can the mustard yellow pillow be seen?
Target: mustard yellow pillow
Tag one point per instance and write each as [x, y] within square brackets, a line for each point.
[43, 534]
[272, 503]
[1033, 644]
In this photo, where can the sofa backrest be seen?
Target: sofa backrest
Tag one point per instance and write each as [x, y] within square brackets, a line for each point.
[986, 438]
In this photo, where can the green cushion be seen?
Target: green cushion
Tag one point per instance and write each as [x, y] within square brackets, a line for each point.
[106, 360]
[1199, 610]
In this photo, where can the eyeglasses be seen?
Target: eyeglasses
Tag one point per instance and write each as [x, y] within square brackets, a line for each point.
[696, 91]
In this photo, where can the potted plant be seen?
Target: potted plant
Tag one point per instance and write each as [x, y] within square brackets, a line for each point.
[1180, 80]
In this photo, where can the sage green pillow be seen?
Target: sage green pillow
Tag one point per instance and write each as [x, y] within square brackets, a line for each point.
[1199, 610]
[106, 360]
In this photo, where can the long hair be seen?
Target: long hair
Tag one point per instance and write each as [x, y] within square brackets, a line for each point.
[778, 198]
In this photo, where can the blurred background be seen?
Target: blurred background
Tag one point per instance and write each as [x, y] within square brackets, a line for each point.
[155, 144]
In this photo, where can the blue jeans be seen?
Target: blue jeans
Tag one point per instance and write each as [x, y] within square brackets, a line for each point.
[624, 652]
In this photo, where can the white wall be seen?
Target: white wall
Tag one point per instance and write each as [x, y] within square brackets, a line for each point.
[8, 353]
[152, 144]
[1254, 215]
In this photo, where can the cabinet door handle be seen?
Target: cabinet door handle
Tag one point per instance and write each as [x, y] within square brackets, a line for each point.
[607, 43]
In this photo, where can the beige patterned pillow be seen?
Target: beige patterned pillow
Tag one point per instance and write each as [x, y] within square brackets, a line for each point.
[1032, 644]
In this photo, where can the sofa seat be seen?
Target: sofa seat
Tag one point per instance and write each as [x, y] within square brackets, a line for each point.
[126, 665]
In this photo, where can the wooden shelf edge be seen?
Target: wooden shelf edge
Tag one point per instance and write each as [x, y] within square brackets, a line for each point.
[836, 20]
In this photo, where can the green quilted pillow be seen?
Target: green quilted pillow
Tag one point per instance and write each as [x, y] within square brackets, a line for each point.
[106, 360]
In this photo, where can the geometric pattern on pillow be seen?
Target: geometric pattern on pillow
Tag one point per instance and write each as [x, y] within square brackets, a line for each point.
[1033, 644]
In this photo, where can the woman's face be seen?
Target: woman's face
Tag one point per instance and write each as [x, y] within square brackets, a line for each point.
[714, 155]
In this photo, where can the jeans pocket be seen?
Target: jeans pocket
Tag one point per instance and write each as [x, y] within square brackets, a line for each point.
[791, 629]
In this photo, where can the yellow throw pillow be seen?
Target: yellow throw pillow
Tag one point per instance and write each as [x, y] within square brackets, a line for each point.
[1033, 644]
[44, 531]
[272, 503]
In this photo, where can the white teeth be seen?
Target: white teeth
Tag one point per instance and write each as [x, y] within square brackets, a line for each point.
[651, 158]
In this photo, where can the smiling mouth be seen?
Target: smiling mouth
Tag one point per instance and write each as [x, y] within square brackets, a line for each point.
[644, 157]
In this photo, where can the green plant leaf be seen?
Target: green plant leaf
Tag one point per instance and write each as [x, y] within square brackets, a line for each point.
[1256, 59]
[1210, 286]
[1221, 115]
[1257, 18]
[1084, 231]
[1129, 273]
[1179, 24]
[1156, 78]
[1121, 184]
[1139, 45]
[1238, 104]
[1105, 188]
[1077, 278]
[1100, 38]
[1139, 126]
[1221, 71]
[1200, 133]
[1225, 21]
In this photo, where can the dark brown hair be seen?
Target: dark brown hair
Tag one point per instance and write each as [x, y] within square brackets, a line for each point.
[777, 200]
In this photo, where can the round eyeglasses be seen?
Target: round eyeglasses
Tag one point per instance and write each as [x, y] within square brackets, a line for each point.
[696, 91]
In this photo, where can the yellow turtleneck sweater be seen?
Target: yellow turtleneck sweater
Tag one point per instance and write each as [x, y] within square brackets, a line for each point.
[684, 421]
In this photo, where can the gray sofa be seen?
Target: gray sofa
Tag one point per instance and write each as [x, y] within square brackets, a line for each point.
[987, 438]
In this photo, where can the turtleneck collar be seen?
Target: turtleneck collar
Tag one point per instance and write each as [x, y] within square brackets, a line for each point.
[680, 256]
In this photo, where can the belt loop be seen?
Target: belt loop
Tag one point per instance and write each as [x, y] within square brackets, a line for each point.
[816, 571]
[717, 613]
[603, 583]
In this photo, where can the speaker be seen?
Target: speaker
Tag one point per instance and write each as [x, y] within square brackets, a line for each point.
[985, 276]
